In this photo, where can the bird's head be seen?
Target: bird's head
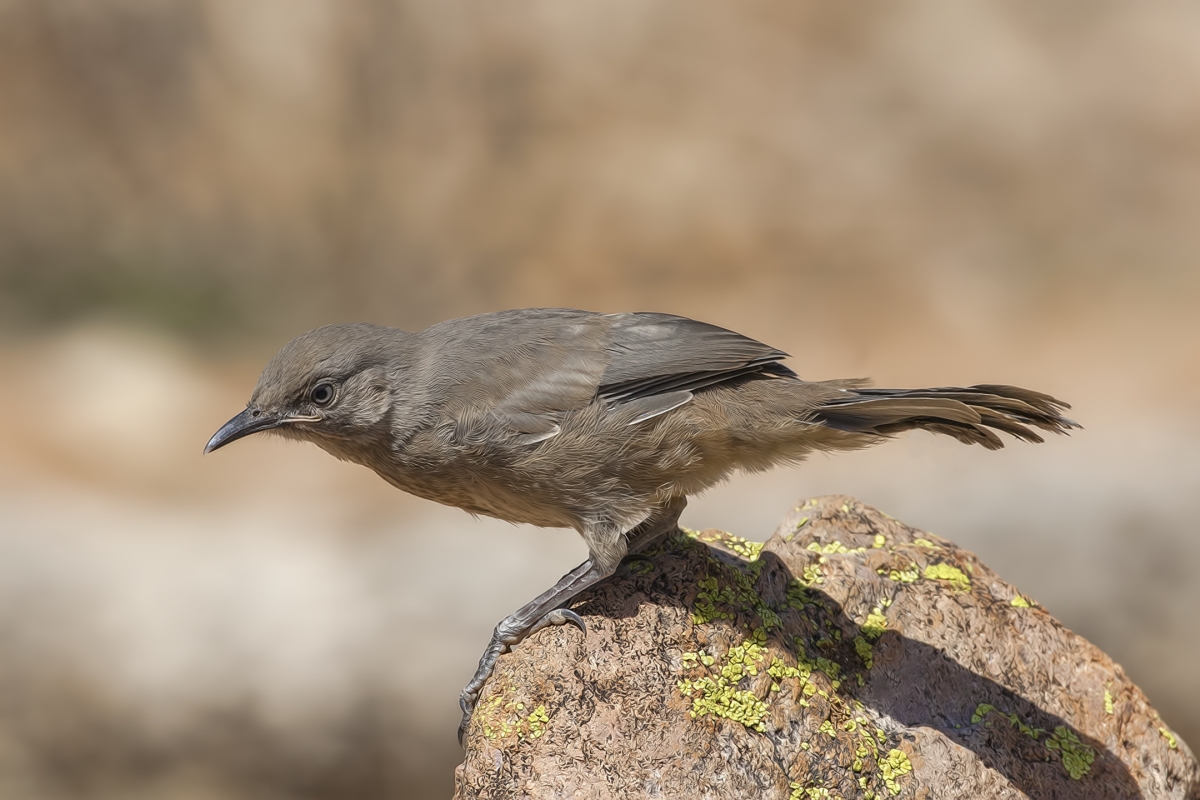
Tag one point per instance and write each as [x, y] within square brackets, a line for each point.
[331, 386]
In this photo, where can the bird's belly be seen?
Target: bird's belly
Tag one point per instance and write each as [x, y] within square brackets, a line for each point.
[476, 494]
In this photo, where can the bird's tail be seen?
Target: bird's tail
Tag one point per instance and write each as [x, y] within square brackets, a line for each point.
[970, 414]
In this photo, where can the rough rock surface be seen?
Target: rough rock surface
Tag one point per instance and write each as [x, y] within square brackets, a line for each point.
[850, 656]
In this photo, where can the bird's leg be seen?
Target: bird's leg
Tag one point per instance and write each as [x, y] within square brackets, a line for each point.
[521, 623]
[547, 607]
[646, 535]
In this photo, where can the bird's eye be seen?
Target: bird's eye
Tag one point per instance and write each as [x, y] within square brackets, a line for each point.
[322, 394]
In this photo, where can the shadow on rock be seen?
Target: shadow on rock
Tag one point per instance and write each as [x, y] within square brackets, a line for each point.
[849, 655]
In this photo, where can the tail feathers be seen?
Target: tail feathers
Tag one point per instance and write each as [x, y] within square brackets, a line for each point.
[968, 414]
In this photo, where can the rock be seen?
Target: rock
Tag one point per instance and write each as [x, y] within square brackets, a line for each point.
[849, 656]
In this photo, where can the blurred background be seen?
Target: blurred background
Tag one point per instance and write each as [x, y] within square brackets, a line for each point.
[926, 194]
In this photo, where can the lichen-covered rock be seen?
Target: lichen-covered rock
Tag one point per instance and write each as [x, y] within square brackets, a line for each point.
[849, 656]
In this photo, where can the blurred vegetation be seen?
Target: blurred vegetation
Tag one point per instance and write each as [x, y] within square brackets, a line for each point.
[217, 167]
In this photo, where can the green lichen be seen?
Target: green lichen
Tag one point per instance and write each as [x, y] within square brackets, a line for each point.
[833, 547]
[906, 575]
[796, 526]
[1077, 757]
[719, 694]
[865, 651]
[640, 567]
[502, 718]
[981, 711]
[743, 547]
[537, 722]
[811, 575]
[953, 575]
[875, 625]
[894, 766]
[746, 549]
[715, 601]
[870, 632]
[780, 671]
[705, 610]
[739, 685]
[1028, 730]
[690, 660]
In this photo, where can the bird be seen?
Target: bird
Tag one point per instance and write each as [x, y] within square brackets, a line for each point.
[604, 423]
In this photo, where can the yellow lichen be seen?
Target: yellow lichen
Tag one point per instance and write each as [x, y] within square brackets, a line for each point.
[537, 722]
[744, 548]
[796, 527]
[731, 685]
[875, 625]
[719, 694]
[811, 575]
[871, 630]
[893, 767]
[1172, 742]
[953, 575]
[501, 718]
[907, 575]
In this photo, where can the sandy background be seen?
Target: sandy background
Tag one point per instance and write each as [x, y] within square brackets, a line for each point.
[925, 194]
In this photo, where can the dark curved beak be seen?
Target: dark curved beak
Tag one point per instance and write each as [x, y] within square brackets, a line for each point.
[252, 420]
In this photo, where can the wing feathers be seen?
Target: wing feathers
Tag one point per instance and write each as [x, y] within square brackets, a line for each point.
[653, 354]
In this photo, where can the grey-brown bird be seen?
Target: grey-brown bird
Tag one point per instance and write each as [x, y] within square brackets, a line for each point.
[603, 423]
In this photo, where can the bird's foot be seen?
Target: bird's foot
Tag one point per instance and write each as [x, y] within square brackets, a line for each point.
[470, 693]
[502, 640]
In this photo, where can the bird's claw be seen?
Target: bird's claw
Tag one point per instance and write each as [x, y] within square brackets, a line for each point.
[560, 616]
[499, 644]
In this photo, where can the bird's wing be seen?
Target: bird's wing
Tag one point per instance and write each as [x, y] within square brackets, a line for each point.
[525, 369]
[518, 372]
[658, 358]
